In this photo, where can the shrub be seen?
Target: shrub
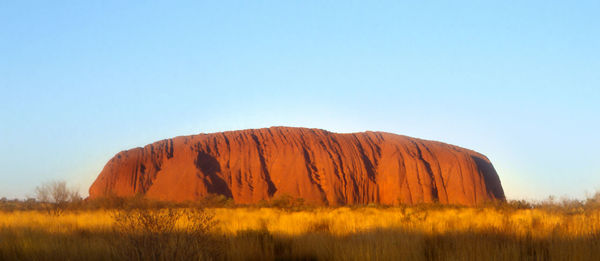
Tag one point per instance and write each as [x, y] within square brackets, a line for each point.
[56, 196]
[153, 234]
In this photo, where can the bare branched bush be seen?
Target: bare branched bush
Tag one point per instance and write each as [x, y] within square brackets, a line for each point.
[151, 221]
[199, 221]
[166, 234]
[56, 195]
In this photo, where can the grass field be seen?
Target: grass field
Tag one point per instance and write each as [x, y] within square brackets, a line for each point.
[359, 233]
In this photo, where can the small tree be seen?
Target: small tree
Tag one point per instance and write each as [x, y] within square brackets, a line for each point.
[57, 195]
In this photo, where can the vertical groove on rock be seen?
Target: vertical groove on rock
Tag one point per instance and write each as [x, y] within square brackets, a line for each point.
[429, 172]
[267, 178]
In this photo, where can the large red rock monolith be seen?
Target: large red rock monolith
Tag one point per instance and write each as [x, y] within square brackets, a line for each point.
[316, 165]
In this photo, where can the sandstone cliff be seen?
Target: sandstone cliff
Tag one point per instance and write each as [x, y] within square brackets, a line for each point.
[313, 164]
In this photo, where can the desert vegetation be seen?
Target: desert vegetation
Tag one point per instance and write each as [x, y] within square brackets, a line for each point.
[286, 229]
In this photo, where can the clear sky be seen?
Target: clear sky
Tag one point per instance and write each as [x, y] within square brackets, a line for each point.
[516, 80]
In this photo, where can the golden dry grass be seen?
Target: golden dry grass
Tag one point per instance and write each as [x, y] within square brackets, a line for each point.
[365, 233]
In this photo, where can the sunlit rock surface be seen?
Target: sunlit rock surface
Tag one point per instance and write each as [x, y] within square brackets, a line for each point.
[316, 165]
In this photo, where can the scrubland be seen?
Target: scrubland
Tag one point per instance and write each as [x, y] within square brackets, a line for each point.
[567, 230]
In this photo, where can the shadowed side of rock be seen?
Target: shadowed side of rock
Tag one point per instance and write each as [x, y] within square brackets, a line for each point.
[319, 166]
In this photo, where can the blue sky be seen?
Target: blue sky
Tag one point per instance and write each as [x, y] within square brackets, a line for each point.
[516, 80]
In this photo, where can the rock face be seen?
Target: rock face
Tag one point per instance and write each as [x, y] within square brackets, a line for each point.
[316, 165]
